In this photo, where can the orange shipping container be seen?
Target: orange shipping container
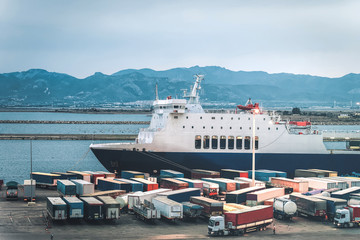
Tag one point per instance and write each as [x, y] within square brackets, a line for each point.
[296, 185]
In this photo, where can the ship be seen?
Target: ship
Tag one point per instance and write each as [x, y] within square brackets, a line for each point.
[183, 136]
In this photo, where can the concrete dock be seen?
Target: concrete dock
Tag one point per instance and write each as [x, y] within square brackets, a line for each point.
[129, 137]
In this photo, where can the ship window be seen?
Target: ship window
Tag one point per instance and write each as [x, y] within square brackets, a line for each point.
[268, 128]
[206, 142]
[222, 142]
[187, 117]
[221, 118]
[160, 107]
[192, 126]
[247, 143]
[230, 127]
[238, 142]
[258, 128]
[212, 127]
[264, 119]
[200, 117]
[277, 128]
[176, 117]
[249, 128]
[232, 118]
[238, 118]
[203, 127]
[256, 142]
[240, 128]
[220, 127]
[248, 118]
[214, 142]
[231, 142]
[183, 126]
[176, 106]
[197, 141]
[213, 118]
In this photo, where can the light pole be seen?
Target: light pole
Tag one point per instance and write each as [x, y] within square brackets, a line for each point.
[255, 111]
[31, 179]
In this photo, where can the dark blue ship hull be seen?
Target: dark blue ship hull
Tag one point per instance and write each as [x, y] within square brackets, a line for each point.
[152, 162]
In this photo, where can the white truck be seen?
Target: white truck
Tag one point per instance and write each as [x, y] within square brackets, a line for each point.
[348, 217]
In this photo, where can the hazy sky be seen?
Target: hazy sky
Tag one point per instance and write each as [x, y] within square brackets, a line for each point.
[318, 37]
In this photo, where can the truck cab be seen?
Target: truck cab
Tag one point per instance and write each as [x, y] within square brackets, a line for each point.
[342, 218]
[216, 225]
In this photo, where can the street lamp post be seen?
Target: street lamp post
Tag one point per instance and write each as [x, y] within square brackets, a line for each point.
[255, 111]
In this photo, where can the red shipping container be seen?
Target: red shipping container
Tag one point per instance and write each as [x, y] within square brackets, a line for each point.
[147, 185]
[355, 212]
[173, 184]
[250, 215]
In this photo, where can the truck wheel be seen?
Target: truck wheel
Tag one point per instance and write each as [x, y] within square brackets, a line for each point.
[346, 225]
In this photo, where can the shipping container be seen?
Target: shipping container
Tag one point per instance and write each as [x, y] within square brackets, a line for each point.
[200, 173]
[257, 197]
[345, 194]
[171, 173]
[93, 208]
[239, 196]
[182, 195]
[112, 184]
[308, 173]
[81, 175]
[317, 183]
[67, 176]
[132, 174]
[339, 183]
[262, 175]
[135, 186]
[225, 185]
[45, 178]
[29, 190]
[211, 207]
[257, 183]
[168, 208]
[83, 187]
[94, 177]
[56, 208]
[110, 193]
[193, 183]
[249, 215]
[297, 185]
[349, 181]
[75, 207]
[107, 174]
[111, 208]
[191, 210]
[147, 185]
[173, 184]
[326, 173]
[241, 184]
[309, 206]
[139, 197]
[232, 173]
[66, 188]
[332, 204]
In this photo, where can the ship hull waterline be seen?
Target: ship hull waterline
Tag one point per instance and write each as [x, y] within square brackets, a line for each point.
[152, 162]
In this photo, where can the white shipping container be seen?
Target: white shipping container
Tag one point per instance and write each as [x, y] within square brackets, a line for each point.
[83, 187]
[317, 183]
[297, 186]
[168, 208]
[248, 180]
[265, 194]
[138, 197]
[349, 181]
[29, 189]
[339, 184]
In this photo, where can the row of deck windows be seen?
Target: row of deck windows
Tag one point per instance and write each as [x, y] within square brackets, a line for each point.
[231, 128]
[230, 142]
[213, 118]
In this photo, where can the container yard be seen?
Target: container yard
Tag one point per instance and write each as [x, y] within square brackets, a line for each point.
[161, 205]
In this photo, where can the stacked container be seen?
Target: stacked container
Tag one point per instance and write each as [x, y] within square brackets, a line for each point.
[81, 175]
[93, 208]
[339, 183]
[75, 207]
[111, 184]
[56, 208]
[231, 173]
[211, 207]
[67, 176]
[349, 181]
[107, 174]
[256, 198]
[171, 173]
[200, 173]
[317, 183]
[45, 178]
[239, 196]
[257, 183]
[168, 208]
[111, 208]
[110, 193]
[241, 184]
[147, 185]
[300, 186]
[83, 187]
[132, 174]
[225, 185]
[262, 175]
[173, 184]
[95, 176]
[314, 173]
[135, 186]
[66, 187]
[193, 183]
[182, 195]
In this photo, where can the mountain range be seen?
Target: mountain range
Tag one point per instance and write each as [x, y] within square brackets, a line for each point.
[38, 87]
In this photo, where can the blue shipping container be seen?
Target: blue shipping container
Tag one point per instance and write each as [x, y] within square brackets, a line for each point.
[171, 173]
[66, 187]
[135, 186]
[75, 207]
[132, 174]
[110, 184]
[182, 195]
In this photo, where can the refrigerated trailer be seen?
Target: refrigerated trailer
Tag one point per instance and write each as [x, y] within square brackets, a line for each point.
[93, 208]
[111, 209]
[56, 208]
[75, 207]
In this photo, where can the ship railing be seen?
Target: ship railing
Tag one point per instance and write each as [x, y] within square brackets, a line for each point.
[347, 134]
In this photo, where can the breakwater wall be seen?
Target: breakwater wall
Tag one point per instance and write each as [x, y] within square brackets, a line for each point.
[74, 122]
[129, 137]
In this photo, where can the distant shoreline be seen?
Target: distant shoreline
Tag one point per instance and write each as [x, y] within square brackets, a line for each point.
[79, 110]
